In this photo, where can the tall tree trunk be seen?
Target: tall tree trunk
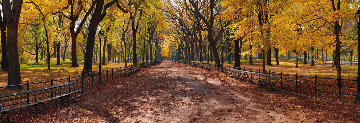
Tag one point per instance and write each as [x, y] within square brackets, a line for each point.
[237, 53]
[151, 50]
[65, 48]
[47, 45]
[338, 49]
[305, 57]
[351, 57]
[125, 58]
[208, 54]
[263, 59]
[58, 53]
[268, 59]
[144, 53]
[109, 49]
[73, 50]
[4, 61]
[134, 31]
[229, 52]
[297, 61]
[94, 23]
[251, 56]
[312, 57]
[277, 56]
[288, 55]
[36, 51]
[192, 50]
[11, 12]
[147, 53]
[326, 53]
[213, 42]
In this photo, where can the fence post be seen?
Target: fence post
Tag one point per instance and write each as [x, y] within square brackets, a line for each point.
[112, 73]
[69, 85]
[281, 79]
[315, 86]
[52, 88]
[339, 85]
[27, 93]
[296, 84]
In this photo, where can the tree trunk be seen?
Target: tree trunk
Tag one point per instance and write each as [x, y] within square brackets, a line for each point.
[337, 49]
[73, 50]
[134, 30]
[109, 49]
[65, 48]
[305, 57]
[268, 59]
[144, 53]
[58, 53]
[192, 51]
[94, 23]
[288, 55]
[237, 53]
[208, 54]
[125, 58]
[47, 46]
[277, 56]
[37, 52]
[326, 55]
[251, 56]
[263, 59]
[213, 42]
[12, 13]
[4, 61]
[297, 61]
[312, 57]
[351, 57]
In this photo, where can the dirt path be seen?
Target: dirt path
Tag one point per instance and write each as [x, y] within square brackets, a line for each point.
[172, 92]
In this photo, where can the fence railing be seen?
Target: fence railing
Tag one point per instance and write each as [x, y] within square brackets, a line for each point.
[58, 90]
[321, 88]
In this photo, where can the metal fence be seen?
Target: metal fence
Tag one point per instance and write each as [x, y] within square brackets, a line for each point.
[321, 88]
[36, 94]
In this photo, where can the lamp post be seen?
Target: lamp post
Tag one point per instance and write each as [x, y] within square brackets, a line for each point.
[100, 34]
[357, 16]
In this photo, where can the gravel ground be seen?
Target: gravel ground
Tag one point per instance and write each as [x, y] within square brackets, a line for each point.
[173, 92]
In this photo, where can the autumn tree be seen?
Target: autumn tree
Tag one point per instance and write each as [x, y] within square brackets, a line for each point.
[11, 11]
[96, 17]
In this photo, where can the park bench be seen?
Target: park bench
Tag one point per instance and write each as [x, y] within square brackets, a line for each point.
[207, 67]
[272, 82]
[35, 97]
[194, 64]
[131, 70]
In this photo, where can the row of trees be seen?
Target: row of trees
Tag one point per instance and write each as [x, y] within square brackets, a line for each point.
[38, 29]
[266, 28]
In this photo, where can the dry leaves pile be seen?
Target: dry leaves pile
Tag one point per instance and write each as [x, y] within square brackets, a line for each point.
[181, 93]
